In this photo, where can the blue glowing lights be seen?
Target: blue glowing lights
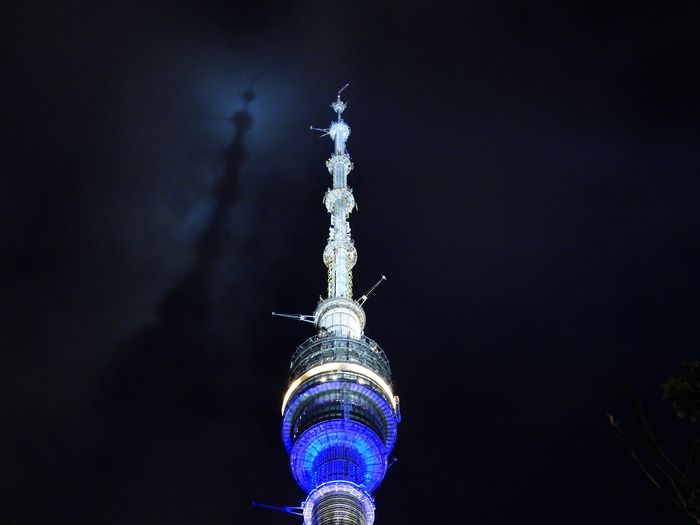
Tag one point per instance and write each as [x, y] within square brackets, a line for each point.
[364, 397]
[339, 450]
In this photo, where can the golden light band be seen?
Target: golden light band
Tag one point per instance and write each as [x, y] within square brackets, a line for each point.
[338, 367]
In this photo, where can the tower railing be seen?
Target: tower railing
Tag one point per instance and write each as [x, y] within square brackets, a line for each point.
[320, 349]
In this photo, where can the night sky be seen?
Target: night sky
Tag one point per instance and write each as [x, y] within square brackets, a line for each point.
[527, 178]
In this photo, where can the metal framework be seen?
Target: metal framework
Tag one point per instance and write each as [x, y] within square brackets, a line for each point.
[339, 413]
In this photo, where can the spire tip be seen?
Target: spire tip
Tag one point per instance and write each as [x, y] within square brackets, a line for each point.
[338, 105]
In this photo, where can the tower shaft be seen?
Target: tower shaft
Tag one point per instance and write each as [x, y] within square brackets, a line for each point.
[340, 255]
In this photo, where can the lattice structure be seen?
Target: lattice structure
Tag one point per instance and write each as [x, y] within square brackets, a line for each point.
[340, 415]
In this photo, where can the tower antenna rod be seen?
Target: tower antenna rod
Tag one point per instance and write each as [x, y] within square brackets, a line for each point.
[393, 461]
[297, 511]
[326, 131]
[297, 317]
[364, 298]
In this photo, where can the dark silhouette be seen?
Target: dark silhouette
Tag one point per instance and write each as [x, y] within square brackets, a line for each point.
[677, 480]
[163, 387]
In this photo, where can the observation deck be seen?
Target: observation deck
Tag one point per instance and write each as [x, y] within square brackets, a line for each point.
[321, 348]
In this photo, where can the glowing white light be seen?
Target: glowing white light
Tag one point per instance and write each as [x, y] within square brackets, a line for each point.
[338, 367]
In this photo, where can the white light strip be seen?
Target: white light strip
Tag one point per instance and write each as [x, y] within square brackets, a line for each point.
[335, 367]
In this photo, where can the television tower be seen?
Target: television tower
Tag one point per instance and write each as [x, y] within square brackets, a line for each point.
[340, 414]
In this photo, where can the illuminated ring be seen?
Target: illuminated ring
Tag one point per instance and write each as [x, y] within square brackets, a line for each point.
[339, 367]
[381, 402]
[343, 487]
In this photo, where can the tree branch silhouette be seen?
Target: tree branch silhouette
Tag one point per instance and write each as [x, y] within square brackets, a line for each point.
[679, 485]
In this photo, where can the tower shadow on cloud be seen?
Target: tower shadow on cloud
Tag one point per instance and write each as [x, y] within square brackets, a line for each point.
[162, 392]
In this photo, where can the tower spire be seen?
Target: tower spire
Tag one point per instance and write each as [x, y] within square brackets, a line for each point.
[338, 313]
